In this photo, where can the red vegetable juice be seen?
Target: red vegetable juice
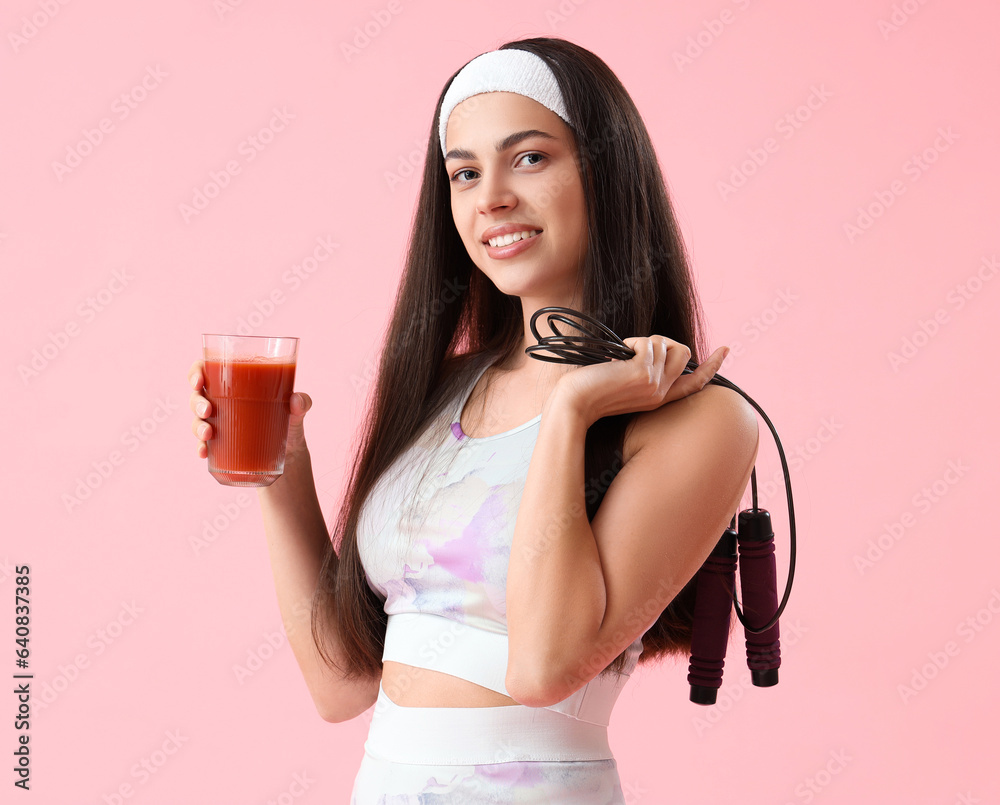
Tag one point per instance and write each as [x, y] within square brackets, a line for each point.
[250, 399]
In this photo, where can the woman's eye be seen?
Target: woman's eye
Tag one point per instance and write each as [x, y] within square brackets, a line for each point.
[468, 174]
[533, 158]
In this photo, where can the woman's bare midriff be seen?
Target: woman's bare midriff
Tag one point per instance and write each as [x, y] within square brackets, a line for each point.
[409, 686]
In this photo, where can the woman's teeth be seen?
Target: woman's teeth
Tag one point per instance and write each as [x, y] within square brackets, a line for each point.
[513, 237]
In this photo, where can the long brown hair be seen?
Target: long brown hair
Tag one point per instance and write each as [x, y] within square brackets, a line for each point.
[449, 320]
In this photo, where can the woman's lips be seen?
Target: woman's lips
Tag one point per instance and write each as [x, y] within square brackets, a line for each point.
[515, 248]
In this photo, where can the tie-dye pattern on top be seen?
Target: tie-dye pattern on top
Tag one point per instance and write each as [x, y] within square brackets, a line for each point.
[435, 533]
[434, 538]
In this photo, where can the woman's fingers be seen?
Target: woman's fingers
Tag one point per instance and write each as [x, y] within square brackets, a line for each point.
[196, 375]
[707, 368]
[200, 407]
[698, 378]
[676, 357]
[201, 429]
[299, 403]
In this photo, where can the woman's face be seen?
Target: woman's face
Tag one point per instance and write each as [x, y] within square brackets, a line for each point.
[513, 171]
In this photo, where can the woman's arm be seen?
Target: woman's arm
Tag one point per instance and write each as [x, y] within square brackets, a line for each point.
[297, 540]
[578, 593]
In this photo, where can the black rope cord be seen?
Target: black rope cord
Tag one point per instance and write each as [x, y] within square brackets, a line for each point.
[593, 348]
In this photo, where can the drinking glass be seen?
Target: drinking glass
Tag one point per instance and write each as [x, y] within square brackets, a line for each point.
[248, 380]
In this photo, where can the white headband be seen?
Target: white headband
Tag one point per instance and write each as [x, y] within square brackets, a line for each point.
[508, 70]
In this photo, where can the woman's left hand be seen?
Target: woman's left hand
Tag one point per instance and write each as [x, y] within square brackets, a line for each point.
[652, 377]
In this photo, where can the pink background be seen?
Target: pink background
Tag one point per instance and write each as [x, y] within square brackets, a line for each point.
[138, 632]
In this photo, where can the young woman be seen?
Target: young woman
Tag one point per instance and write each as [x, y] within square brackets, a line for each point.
[514, 532]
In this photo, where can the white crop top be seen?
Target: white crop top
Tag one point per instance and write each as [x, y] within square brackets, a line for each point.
[434, 538]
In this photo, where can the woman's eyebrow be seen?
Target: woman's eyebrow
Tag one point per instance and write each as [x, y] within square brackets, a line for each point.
[507, 142]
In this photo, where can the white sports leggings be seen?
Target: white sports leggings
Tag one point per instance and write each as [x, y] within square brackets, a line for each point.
[471, 755]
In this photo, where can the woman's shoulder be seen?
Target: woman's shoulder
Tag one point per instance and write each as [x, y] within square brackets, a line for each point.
[714, 407]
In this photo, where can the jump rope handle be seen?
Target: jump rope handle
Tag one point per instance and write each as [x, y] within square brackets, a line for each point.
[759, 590]
[712, 611]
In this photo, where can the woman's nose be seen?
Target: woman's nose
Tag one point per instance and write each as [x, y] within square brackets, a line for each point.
[494, 193]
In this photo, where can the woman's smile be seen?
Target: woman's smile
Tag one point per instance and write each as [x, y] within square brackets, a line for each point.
[511, 249]
[509, 240]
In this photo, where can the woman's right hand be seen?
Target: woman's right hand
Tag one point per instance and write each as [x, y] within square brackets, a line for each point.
[201, 407]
